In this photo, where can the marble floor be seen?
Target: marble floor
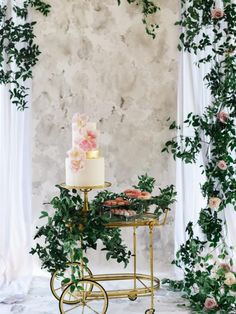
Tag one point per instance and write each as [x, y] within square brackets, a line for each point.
[40, 301]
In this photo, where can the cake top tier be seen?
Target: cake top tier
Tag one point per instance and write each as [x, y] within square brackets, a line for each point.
[84, 133]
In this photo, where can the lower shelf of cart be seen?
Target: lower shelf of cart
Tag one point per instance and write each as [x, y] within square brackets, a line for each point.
[141, 286]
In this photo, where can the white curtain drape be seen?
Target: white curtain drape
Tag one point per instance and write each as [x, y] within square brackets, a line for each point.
[15, 198]
[194, 96]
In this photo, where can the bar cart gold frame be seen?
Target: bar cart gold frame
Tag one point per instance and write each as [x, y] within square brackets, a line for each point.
[90, 281]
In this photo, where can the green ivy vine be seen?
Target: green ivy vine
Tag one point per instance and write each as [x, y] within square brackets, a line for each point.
[68, 233]
[149, 8]
[18, 50]
[19, 53]
[209, 278]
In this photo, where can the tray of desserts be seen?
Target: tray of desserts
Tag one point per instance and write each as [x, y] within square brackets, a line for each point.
[119, 207]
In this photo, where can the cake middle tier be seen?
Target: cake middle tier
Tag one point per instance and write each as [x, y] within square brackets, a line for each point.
[92, 174]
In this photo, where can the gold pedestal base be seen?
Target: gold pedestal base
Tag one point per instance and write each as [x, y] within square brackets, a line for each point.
[86, 190]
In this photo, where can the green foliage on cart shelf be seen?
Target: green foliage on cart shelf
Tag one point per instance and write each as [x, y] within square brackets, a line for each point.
[145, 183]
[68, 233]
[59, 239]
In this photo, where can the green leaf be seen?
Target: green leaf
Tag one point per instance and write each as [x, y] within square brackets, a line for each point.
[43, 214]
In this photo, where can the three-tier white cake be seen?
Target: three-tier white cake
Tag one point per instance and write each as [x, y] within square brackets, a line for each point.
[84, 166]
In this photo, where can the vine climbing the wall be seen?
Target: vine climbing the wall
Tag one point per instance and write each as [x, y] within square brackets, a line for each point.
[209, 275]
[149, 8]
[18, 50]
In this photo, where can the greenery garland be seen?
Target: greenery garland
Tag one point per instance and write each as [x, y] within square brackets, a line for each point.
[209, 278]
[68, 233]
[18, 51]
[149, 8]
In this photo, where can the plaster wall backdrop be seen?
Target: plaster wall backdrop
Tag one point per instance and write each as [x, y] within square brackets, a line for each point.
[97, 59]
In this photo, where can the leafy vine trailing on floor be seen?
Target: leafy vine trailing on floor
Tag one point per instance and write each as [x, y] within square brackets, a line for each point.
[149, 8]
[18, 51]
[209, 277]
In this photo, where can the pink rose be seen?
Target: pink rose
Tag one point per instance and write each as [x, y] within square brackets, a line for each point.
[222, 165]
[217, 13]
[132, 193]
[230, 279]
[225, 266]
[222, 116]
[210, 303]
[214, 202]
[145, 196]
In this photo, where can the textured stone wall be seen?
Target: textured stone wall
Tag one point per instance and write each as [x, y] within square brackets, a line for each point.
[97, 59]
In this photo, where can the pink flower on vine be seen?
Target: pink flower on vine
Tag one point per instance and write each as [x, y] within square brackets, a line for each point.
[222, 116]
[214, 202]
[225, 267]
[89, 142]
[210, 303]
[217, 13]
[230, 279]
[222, 165]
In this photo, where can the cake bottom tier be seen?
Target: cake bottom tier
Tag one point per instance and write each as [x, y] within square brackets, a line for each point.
[93, 173]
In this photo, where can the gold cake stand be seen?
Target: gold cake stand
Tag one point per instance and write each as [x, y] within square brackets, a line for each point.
[86, 189]
[93, 298]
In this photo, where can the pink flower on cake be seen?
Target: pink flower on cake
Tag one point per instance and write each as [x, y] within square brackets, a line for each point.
[145, 196]
[87, 146]
[222, 116]
[89, 142]
[75, 154]
[79, 120]
[217, 13]
[76, 165]
[214, 202]
[133, 193]
[222, 165]
[210, 303]
[77, 159]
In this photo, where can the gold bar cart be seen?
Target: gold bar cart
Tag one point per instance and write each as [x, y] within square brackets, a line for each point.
[92, 295]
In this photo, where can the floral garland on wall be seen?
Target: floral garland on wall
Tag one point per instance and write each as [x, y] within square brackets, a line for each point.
[19, 53]
[209, 275]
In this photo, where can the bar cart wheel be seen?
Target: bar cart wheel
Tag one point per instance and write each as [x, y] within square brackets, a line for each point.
[133, 297]
[150, 311]
[82, 298]
[56, 282]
